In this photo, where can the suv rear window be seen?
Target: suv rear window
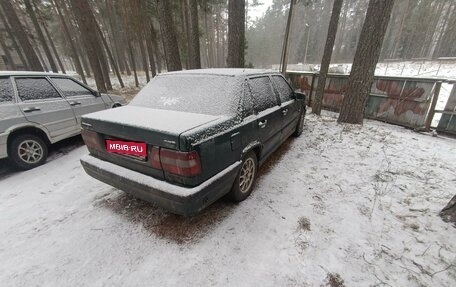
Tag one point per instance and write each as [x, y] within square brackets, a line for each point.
[193, 93]
[35, 89]
[6, 90]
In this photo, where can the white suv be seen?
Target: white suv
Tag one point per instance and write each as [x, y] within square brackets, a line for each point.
[38, 109]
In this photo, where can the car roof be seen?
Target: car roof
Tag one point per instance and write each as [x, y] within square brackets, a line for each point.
[29, 73]
[231, 72]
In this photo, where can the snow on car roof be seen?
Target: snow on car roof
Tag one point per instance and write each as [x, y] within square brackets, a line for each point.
[28, 73]
[224, 72]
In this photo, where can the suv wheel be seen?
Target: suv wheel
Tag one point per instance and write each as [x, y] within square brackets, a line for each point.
[27, 151]
[245, 179]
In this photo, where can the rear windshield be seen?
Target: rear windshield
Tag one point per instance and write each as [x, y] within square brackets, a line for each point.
[203, 94]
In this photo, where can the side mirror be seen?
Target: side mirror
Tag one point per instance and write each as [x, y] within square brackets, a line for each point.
[300, 96]
[96, 94]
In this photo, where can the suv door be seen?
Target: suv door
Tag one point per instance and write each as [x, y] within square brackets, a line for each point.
[42, 104]
[289, 107]
[269, 117]
[82, 100]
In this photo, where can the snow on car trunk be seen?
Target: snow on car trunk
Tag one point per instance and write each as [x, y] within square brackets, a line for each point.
[152, 126]
[358, 203]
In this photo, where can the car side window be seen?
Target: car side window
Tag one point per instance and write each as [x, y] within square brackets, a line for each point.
[262, 93]
[6, 90]
[35, 89]
[284, 90]
[70, 88]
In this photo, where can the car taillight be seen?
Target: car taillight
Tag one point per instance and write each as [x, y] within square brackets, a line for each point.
[92, 139]
[176, 162]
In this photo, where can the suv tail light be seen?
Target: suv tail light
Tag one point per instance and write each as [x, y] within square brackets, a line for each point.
[92, 139]
[176, 162]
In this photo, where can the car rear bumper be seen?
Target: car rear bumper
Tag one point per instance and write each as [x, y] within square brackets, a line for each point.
[177, 199]
[3, 145]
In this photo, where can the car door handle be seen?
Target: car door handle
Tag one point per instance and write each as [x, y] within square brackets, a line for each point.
[31, 109]
[75, 103]
[284, 112]
[262, 124]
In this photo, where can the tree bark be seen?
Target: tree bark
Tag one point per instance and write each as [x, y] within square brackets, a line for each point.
[365, 61]
[39, 32]
[110, 56]
[74, 53]
[11, 65]
[153, 37]
[330, 39]
[236, 33]
[169, 35]
[21, 35]
[86, 22]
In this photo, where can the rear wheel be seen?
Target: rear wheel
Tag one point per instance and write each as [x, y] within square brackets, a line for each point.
[27, 151]
[243, 185]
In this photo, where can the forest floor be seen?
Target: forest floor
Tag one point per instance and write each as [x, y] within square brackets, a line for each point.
[341, 205]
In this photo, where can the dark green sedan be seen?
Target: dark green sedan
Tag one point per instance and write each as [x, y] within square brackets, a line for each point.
[190, 137]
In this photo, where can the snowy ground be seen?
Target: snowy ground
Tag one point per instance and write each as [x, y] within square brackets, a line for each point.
[340, 203]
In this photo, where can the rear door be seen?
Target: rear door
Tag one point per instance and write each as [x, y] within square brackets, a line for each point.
[269, 117]
[288, 106]
[42, 104]
[82, 100]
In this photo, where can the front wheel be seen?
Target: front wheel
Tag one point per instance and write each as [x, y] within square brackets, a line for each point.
[243, 185]
[300, 125]
[27, 151]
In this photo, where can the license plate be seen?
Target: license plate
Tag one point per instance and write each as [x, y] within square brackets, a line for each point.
[136, 149]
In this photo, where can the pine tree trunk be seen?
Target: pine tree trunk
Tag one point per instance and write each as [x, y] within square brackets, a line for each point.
[39, 32]
[13, 41]
[21, 35]
[110, 56]
[74, 53]
[54, 49]
[365, 61]
[195, 60]
[330, 39]
[169, 35]
[85, 20]
[153, 37]
[236, 33]
[11, 65]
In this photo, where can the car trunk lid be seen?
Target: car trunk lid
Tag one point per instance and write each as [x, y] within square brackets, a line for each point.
[153, 126]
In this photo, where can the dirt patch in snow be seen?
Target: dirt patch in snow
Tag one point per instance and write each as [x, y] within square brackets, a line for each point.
[165, 225]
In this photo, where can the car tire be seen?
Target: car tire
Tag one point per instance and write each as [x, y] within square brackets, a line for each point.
[245, 180]
[300, 125]
[27, 151]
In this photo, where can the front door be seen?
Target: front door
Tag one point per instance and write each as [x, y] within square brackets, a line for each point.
[269, 117]
[42, 104]
[82, 100]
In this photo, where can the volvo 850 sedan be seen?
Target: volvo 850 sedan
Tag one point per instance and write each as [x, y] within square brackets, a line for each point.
[190, 137]
[38, 109]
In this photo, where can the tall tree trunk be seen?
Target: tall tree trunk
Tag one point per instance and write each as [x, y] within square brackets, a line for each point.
[11, 65]
[54, 49]
[366, 58]
[111, 58]
[236, 33]
[67, 34]
[86, 22]
[195, 59]
[169, 35]
[47, 51]
[153, 37]
[13, 41]
[332, 32]
[21, 35]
